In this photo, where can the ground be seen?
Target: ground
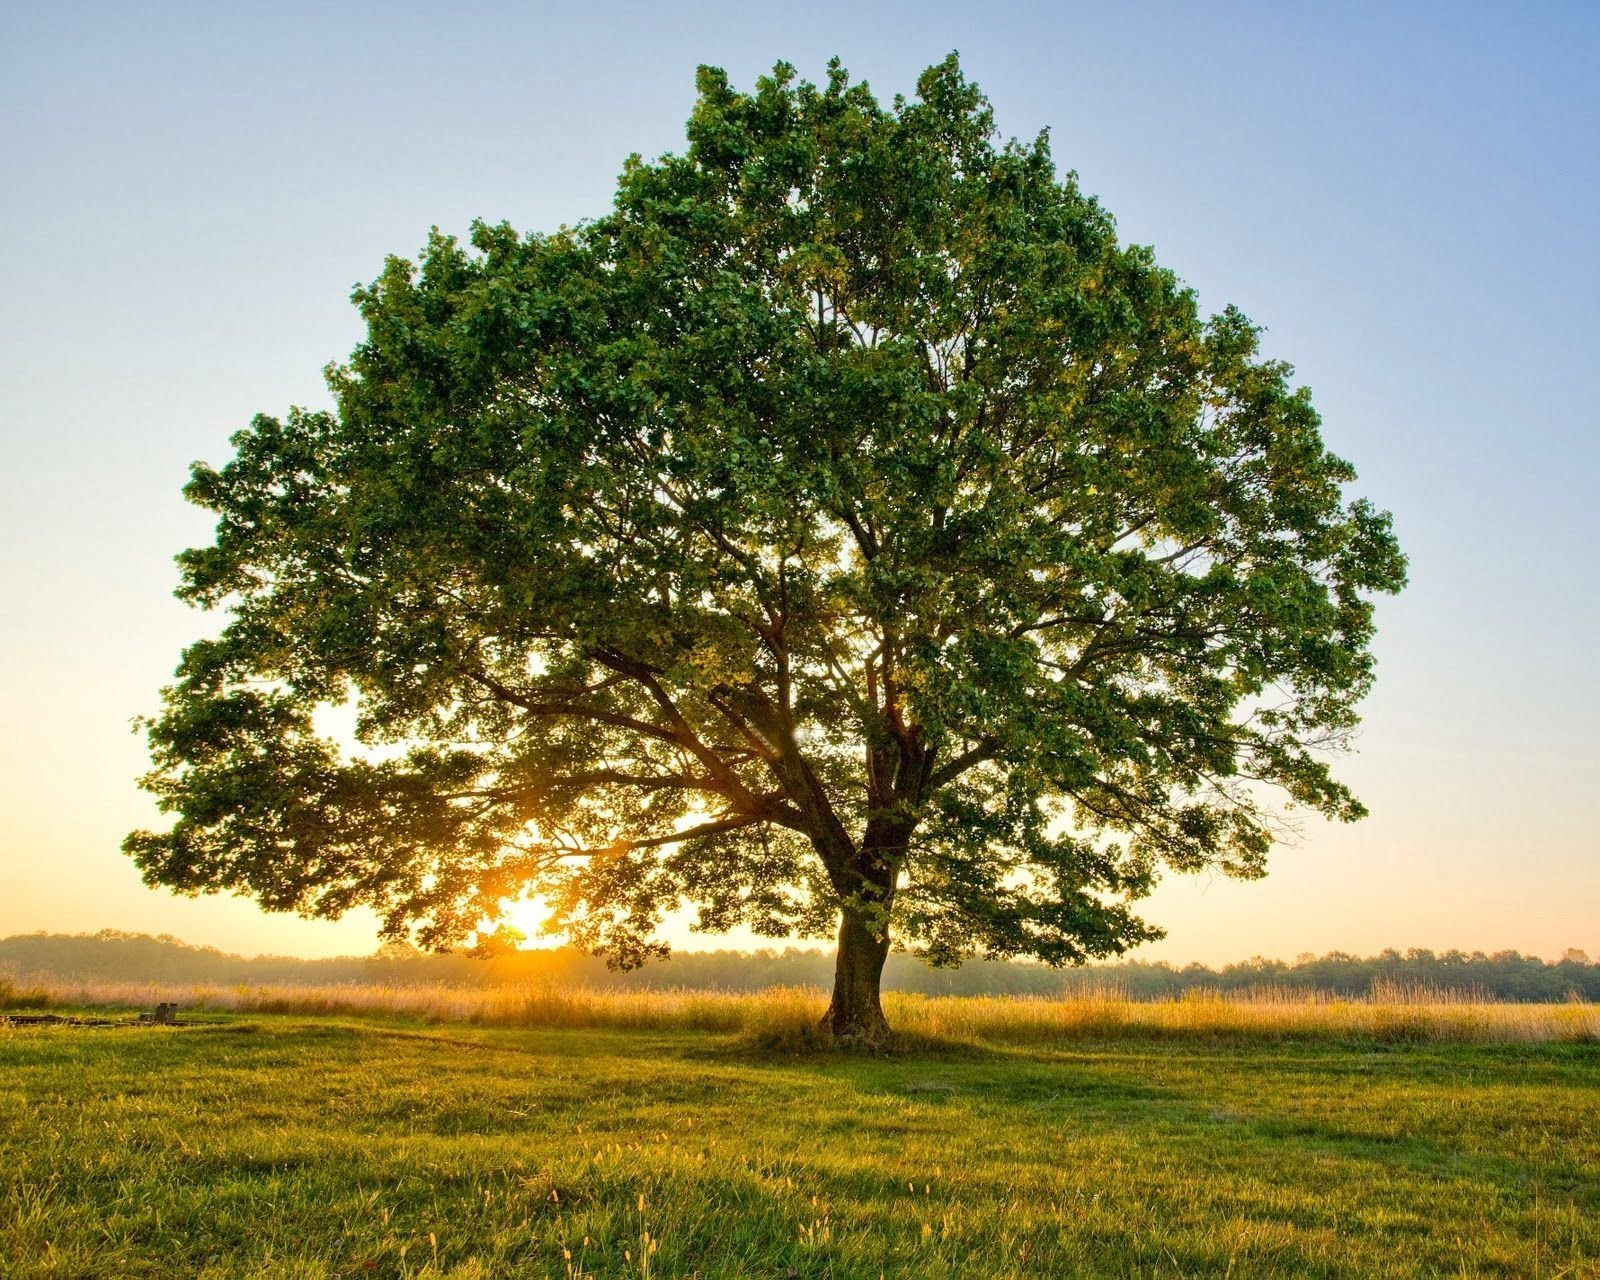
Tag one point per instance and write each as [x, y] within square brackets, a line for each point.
[319, 1147]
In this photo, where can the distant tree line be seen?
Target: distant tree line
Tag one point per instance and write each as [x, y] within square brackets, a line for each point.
[112, 954]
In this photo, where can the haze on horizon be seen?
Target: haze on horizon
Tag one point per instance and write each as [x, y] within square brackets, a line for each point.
[1406, 197]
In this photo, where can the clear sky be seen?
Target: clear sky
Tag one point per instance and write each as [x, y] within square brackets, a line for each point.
[1407, 196]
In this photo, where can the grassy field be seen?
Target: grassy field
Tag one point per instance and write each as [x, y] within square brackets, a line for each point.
[289, 1145]
[786, 1014]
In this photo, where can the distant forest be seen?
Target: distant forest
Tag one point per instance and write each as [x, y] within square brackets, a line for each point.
[111, 954]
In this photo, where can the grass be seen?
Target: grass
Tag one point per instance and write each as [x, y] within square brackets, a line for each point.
[287, 1145]
[785, 1014]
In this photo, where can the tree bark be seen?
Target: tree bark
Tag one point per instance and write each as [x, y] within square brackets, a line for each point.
[856, 1010]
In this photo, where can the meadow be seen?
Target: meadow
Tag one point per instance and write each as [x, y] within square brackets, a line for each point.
[406, 1132]
[786, 1016]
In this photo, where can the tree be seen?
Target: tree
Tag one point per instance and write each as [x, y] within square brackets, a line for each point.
[845, 533]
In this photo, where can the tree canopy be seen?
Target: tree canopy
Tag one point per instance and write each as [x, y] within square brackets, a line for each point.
[845, 531]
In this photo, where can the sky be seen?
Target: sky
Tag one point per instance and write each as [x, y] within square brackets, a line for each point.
[1407, 197]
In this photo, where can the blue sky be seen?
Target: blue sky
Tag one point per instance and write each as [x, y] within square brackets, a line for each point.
[1406, 196]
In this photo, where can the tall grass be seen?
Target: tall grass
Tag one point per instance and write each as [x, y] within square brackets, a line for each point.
[1388, 1014]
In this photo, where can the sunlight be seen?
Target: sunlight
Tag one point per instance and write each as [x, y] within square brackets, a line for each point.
[528, 916]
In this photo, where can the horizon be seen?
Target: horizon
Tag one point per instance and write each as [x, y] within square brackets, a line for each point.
[809, 946]
[1408, 201]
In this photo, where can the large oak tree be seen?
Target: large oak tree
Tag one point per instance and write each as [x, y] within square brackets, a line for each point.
[844, 533]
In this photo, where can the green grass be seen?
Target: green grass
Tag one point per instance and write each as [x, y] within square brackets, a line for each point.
[314, 1147]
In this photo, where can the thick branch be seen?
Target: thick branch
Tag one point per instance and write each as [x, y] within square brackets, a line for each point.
[957, 765]
[717, 827]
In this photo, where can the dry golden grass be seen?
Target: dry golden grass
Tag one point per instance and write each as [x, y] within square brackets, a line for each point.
[782, 1014]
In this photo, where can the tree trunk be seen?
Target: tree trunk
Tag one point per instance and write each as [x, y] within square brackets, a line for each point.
[856, 1012]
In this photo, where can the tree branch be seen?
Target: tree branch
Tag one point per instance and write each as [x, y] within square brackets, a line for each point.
[957, 765]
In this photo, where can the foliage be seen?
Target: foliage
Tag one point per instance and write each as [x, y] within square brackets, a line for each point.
[845, 523]
[319, 1149]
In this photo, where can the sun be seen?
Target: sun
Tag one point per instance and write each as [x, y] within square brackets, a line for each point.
[528, 917]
